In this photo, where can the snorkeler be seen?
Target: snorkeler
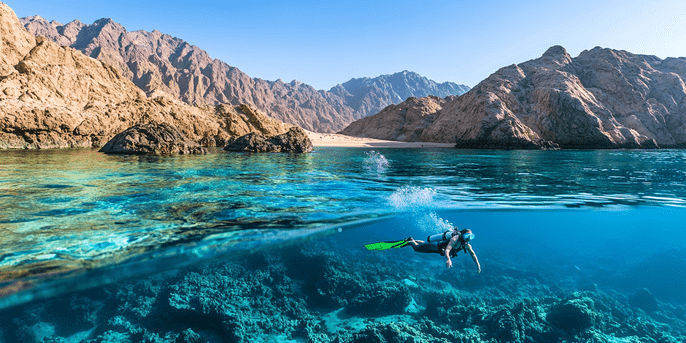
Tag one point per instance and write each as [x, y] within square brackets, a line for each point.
[446, 244]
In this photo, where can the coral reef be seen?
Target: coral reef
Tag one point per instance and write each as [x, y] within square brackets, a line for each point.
[311, 294]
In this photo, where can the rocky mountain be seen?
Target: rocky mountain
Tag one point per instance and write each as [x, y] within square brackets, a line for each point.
[156, 63]
[53, 96]
[603, 98]
[368, 96]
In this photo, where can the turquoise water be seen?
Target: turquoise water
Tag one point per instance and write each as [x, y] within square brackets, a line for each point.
[68, 211]
[64, 212]
[548, 224]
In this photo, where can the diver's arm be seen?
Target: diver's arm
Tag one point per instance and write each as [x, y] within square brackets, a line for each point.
[471, 252]
[448, 262]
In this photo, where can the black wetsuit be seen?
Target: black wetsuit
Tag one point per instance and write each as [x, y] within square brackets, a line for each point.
[439, 248]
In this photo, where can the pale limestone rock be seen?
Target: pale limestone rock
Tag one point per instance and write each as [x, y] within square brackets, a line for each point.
[403, 122]
[15, 41]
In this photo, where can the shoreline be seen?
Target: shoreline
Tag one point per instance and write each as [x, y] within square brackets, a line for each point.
[338, 140]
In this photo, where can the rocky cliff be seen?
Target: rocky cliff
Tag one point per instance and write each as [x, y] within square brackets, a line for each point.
[53, 96]
[156, 63]
[603, 98]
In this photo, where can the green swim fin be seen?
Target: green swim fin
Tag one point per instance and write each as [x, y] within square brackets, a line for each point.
[387, 245]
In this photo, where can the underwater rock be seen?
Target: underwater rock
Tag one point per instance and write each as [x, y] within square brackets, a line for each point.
[151, 139]
[644, 299]
[392, 332]
[188, 336]
[280, 297]
[295, 140]
[384, 298]
[573, 314]
[657, 273]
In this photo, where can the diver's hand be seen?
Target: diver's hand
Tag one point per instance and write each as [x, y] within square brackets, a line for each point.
[479, 267]
[448, 264]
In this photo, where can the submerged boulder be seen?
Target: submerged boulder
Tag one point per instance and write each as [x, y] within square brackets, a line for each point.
[573, 314]
[295, 140]
[644, 299]
[151, 139]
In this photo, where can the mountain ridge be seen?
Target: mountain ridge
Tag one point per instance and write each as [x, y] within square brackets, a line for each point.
[158, 63]
[56, 97]
[603, 98]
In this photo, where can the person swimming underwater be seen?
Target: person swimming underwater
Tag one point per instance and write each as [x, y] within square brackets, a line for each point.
[447, 244]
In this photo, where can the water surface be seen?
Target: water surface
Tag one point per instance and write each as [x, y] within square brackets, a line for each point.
[67, 212]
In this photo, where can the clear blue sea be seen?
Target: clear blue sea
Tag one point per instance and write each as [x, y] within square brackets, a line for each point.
[613, 221]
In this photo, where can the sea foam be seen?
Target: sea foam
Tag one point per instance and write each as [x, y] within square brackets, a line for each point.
[412, 198]
[375, 162]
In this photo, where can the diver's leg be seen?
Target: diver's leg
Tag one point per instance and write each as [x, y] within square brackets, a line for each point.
[425, 247]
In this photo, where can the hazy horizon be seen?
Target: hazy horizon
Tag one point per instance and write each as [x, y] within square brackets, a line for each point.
[324, 44]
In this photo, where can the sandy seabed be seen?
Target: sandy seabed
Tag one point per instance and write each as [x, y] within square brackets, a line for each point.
[338, 140]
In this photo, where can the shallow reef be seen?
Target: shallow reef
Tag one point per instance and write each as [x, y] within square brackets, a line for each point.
[319, 294]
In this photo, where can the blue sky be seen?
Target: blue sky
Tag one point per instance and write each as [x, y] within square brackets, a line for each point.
[324, 43]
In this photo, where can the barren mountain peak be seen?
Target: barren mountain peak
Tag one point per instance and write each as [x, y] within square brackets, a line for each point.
[156, 61]
[603, 98]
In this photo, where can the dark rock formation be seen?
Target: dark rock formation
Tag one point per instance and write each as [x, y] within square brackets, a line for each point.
[601, 99]
[55, 97]
[573, 314]
[295, 140]
[158, 63]
[252, 142]
[644, 299]
[151, 139]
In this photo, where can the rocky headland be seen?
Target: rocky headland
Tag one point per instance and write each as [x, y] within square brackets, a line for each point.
[57, 97]
[603, 98]
[159, 63]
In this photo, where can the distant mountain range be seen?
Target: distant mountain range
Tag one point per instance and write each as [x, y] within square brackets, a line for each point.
[603, 98]
[159, 63]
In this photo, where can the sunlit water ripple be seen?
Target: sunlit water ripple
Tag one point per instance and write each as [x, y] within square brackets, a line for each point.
[67, 211]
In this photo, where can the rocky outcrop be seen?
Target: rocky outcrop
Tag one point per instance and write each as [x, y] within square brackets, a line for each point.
[403, 122]
[151, 139]
[295, 141]
[159, 63]
[603, 98]
[56, 97]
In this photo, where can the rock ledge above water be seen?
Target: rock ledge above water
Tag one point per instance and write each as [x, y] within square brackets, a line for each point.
[295, 140]
[152, 139]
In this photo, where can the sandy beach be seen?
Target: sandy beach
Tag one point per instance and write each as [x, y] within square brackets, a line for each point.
[337, 140]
